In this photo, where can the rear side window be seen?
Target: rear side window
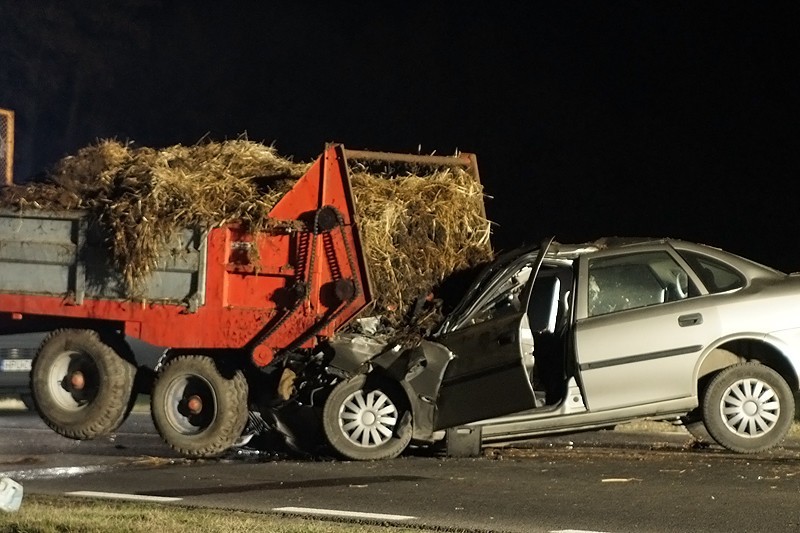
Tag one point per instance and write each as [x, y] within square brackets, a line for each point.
[715, 275]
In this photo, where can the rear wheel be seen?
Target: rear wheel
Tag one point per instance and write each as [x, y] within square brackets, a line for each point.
[197, 410]
[82, 387]
[365, 419]
[748, 407]
[697, 428]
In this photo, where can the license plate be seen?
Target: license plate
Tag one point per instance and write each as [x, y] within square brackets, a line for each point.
[15, 365]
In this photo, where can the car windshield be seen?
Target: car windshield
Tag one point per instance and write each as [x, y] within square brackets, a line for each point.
[490, 287]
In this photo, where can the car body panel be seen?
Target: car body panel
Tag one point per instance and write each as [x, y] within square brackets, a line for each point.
[487, 376]
[649, 366]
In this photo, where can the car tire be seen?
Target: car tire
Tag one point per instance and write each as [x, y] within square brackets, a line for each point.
[198, 411]
[693, 423]
[82, 387]
[748, 408]
[367, 419]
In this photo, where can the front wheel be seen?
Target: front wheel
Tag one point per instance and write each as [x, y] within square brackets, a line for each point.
[366, 419]
[748, 408]
[196, 409]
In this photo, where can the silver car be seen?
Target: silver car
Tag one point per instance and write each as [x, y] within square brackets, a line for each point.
[559, 338]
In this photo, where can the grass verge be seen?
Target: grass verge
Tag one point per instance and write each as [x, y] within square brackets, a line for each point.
[64, 514]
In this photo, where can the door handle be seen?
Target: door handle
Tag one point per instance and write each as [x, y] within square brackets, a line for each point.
[694, 319]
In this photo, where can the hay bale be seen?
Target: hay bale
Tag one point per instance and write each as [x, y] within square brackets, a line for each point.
[418, 226]
[419, 229]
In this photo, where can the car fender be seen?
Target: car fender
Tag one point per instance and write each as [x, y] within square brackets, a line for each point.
[419, 371]
[777, 350]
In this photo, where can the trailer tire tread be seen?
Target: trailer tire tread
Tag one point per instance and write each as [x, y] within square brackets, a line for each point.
[107, 410]
[231, 395]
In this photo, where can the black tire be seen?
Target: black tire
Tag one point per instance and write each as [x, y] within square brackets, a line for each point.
[207, 428]
[367, 419]
[696, 427]
[748, 408]
[81, 387]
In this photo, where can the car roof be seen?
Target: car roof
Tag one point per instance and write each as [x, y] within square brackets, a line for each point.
[573, 251]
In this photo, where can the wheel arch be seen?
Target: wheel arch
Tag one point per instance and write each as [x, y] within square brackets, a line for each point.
[742, 349]
[398, 385]
[422, 411]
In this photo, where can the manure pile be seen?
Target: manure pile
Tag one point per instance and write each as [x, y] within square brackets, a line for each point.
[418, 226]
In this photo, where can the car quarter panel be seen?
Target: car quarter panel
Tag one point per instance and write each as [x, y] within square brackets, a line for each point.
[787, 342]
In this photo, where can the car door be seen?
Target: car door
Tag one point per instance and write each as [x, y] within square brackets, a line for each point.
[640, 330]
[487, 376]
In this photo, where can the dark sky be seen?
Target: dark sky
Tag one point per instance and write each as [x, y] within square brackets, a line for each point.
[589, 119]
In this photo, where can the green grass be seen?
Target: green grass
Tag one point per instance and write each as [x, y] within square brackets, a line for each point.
[64, 514]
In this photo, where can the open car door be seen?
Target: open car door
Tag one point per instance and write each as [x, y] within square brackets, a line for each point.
[487, 333]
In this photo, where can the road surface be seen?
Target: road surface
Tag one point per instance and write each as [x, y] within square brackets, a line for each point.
[603, 481]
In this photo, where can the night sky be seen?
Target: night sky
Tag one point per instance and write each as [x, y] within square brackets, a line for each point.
[589, 119]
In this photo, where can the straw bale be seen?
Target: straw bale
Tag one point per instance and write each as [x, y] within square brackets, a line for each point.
[419, 229]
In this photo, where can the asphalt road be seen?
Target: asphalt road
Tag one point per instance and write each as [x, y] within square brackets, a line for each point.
[603, 481]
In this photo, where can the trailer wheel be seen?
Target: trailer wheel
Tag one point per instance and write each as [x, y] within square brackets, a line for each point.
[197, 410]
[82, 387]
[367, 420]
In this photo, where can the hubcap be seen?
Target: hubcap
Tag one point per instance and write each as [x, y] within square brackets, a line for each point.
[368, 419]
[750, 408]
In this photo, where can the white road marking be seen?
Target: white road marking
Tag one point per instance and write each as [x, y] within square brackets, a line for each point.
[344, 514]
[575, 531]
[122, 496]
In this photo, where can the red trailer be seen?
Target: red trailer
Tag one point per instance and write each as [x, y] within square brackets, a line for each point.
[209, 333]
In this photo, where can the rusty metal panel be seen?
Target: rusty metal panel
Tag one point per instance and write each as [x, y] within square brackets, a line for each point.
[54, 254]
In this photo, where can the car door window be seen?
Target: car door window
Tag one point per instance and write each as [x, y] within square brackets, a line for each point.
[631, 281]
[504, 300]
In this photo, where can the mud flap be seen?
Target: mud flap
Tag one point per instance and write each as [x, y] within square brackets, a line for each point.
[463, 441]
